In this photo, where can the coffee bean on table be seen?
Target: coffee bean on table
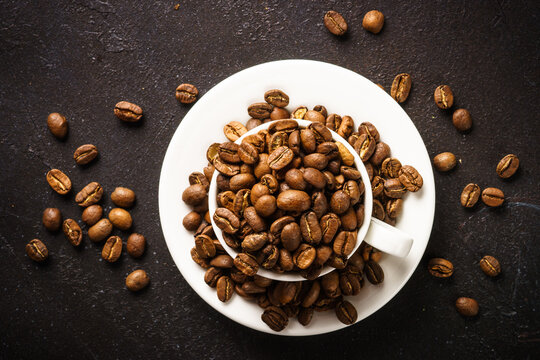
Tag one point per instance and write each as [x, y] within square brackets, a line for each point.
[234, 130]
[335, 23]
[58, 125]
[440, 268]
[72, 231]
[192, 221]
[52, 219]
[123, 197]
[493, 197]
[136, 244]
[461, 118]
[374, 272]
[470, 195]
[410, 178]
[85, 154]
[276, 97]
[507, 166]
[59, 181]
[260, 110]
[467, 306]
[346, 312]
[137, 280]
[100, 230]
[275, 318]
[186, 93]
[127, 111]
[225, 288]
[89, 195]
[490, 266]
[443, 96]
[120, 218]
[36, 250]
[373, 21]
[445, 161]
[401, 87]
[112, 249]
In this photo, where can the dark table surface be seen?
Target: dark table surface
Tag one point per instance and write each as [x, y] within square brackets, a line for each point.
[79, 58]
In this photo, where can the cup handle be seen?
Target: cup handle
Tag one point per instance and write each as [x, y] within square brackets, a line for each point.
[388, 239]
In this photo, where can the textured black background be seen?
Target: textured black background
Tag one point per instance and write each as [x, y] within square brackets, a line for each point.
[81, 57]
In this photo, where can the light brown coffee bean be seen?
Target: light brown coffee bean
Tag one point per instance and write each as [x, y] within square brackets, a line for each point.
[344, 243]
[440, 267]
[36, 250]
[52, 219]
[373, 21]
[304, 256]
[100, 230]
[186, 93]
[443, 96]
[246, 264]
[136, 244]
[225, 288]
[294, 200]
[445, 161]
[346, 127]
[461, 118]
[222, 262]
[266, 205]
[57, 125]
[112, 249]
[310, 228]
[59, 181]
[493, 197]
[128, 112]
[508, 166]
[260, 110]
[92, 214]
[194, 194]
[490, 266]
[89, 195]
[226, 220]
[120, 218]
[137, 280]
[85, 154]
[123, 197]
[280, 158]
[401, 87]
[315, 116]
[470, 195]
[234, 130]
[335, 23]
[390, 167]
[365, 146]
[276, 97]
[72, 231]
[467, 306]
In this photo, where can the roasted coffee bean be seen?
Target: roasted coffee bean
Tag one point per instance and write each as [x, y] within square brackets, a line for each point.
[507, 166]
[52, 219]
[373, 21]
[299, 112]
[369, 129]
[136, 244]
[351, 188]
[192, 221]
[295, 142]
[394, 207]
[262, 167]
[312, 295]
[280, 158]
[226, 168]
[222, 261]
[212, 275]
[291, 236]
[310, 228]
[308, 141]
[254, 242]
[321, 109]
[287, 291]
[294, 200]
[137, 280]
[241, 201]
[295, 179]
[198, 259]
[333, 122]
[330, 284]
[356, 263]
[275, 318]
[234, 130]
[410, 178]
[270, 182]
[242, 181]
[85, 154]
[349, 284]
[443, 96]
[253, 123]
[59, 181]
[72, 231]
[112, 249]
[461, 118]
[490, 266]
[390, 168]
[382, 151]
[340, 202]
[401, 87]
[315, 116]
[319, 204]
[304, 256]
[374, 272]
[346, 127]
[365, 146]
[246, 264]
[256, 140]
[128, 112]
[378, 210]
[279, 113]
[89, 195]
[304, 316]
[328, 149]
[57, 125]
[257, 191]
[268, 256]
[393, 188]
[266, 205]
[276, 97]
[316, 161]
[315, 178]
[194, 194]
[467, 306]
[470, 195]
[493, 197]
[349, 220]
[205, 246]
[125, 197]
[346, 312]
[277, 226]
[278, 139]
[248, 153]
[256, 222]
[329, 224]
[344, 243]
[445, 161]
[212, 152]
[335, 23]
[36, 250]
[242, 293]
[228, 152]
[344, 154]
[285, 260]
[223, 184]
[350, 173]
[440, 268]
[260, 110]
[360, 215]
[120, 218]
[226, 220]
[100, 230]
[225, 288]
[186, 93]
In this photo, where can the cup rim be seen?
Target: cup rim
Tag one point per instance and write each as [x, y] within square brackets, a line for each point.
[361, 233]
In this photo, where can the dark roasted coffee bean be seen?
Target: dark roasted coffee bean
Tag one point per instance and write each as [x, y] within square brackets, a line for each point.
[137, 280]
[136, 244]
[36, 250]
[234, 130]
[315, 178]
[276, 97]
[304, 256]
[128, 112]
[340, 202]
[225, 288]
[349, 220]
[374, 272]
[461, 118]
[356, 263]
[492, 197]
[312, 295]
[275, 318]
[378, 210]
[393, 188]
[394, 207]
[291, 236]
[89, 195]
[294, 200]
[490, 266]
[59, 181]
[226, 220]
[470, 195]
[321, 109]
[186, 93]
[344, 243]
[440, 268]
[120, 218]
[308, 141]
[305, 315]
[467, 306]
[260, 110]
[346, 312]
[349, 284]
[205, 246]
[401, 87]
[251, 288]
[443, 96]
[246, 264]
[52, 219]
[310, 228]
[351, 188]
[222, 261]
[72, 231]
[85, 154]
[369, 129]
[445, 161]
[277, 226]
[382, 151]
[410, 178]
[212, 275]
[58, 125]
[507, 166]
[335, 23]
[333, 122]
[112, 249]
[122, 195]
[330, 284]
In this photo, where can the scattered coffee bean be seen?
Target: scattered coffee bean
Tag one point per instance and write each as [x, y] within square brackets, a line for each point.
[224, 288]
[445, 161]
[186, 93]
[346, 312]
[194, 194]
[120, 218]
[192, 221]
[410, 178]
[59, 181]
[92, 214]
[123, 197]
[85, 154]
[440, 268]
[58, 125]
[277, 98]
[461, 118]
[89, 195]
[72, 231]
[490, 266]
[112, 249]
[52, 219]
[470, 195]
[100, 230]
[137, 280]
[467, 306]
[492, 197]
[373, 21]
[36, 250]
[374, 272]
[444, 98]
[136, 244]
[128, 112]
[508, 166]
[401, 87]
[335, 23]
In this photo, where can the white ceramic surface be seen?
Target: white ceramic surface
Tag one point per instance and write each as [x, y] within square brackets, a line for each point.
[381, 236]
[305, 82]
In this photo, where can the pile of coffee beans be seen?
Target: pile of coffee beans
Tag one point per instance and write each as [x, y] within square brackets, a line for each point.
[99, 228]
[291, 199]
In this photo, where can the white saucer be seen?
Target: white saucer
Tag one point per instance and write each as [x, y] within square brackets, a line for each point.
[307, 83]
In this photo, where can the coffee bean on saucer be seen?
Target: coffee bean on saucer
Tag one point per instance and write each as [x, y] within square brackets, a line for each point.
[52, 219]
[410, 178]
[89, 195]
[137, 280]
[490, 266]
[346, 312]
[128, 112]
[443, 96]
[470, 195]
[260, 110]
[401, 86]
[225, 288]
[445, 161]
[373, 21]
[85, 154]
[493, 197]
[123, 197]
[374, 272]
[58, 125]
[59, 181]
[507, 166]
[275, 318]
[461, 118]
[440, 268]
[192, 221]
[335, 23]
[277, 98]
[186, 93]
[72, 231]
[467, 306]
[233, 130]
[112, 249]
[37, 251]
[136, 244]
